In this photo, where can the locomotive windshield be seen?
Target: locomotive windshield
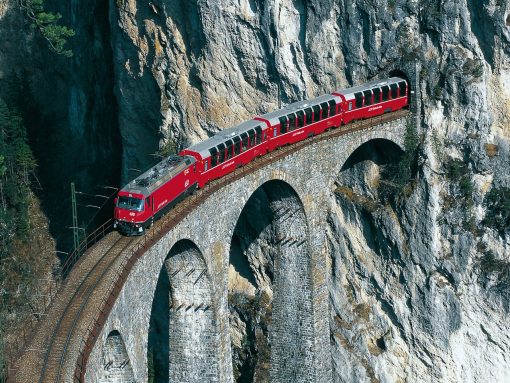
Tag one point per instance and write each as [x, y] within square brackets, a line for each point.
[130, 203]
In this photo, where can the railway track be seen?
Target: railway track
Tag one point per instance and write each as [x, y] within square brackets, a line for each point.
[93, 297]
[180, 211]
[59, 342]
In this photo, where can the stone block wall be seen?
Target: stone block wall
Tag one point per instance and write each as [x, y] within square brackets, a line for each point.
[300, 290]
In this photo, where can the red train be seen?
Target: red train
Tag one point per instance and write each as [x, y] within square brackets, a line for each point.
[154, 192]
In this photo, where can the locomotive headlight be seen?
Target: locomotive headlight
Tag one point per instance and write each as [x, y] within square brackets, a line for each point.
[114, 224]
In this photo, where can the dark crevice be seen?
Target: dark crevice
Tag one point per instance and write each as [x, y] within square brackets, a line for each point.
[388, 309]
[483, 28]
[72, 122]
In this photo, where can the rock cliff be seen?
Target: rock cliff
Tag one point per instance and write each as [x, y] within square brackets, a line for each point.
[419, 281]
[418, 284]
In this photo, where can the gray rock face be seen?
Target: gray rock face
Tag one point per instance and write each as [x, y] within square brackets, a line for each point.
[409, 298]
[407, 301]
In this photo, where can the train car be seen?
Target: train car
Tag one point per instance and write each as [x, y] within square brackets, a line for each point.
[373, 98]
[230, 148]
[303, 119]
[153, 193]
[157, 190]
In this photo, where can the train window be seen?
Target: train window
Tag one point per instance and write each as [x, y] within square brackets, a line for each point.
[252, 138]
[359, 99]
[402, 87]
[385, 93]
[300, 119]
[214, 159]
[394, 93]
[283, 124]
[368, 97]
[308, 113]
[316, 113]
[275, 132]
[237, 148]
[283, 128]
[350, 106]
[292, 121]
[332, 108]
[377, 95]
[244, 138]
[258, 137]
[325, 108]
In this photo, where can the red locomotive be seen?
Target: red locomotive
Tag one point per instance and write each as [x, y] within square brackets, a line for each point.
[157, 190]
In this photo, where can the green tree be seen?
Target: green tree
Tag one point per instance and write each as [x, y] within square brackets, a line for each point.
[16, 164]
[47, 23]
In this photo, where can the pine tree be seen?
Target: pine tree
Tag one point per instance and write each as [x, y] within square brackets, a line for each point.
[47, 23]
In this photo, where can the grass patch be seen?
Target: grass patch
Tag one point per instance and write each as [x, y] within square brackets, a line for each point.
[366, 203]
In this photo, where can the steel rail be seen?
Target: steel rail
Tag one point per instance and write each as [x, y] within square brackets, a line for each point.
[181, 210]
[65, 317]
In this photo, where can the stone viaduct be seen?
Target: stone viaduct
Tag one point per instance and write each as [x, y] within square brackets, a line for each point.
[196, 257]
[177, 295]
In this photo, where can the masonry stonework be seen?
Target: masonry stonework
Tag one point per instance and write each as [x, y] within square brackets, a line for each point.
[310, 175]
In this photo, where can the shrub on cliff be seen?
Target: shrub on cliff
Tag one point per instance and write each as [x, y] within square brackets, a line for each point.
[498, 209]
[397, 178]
[47, 23]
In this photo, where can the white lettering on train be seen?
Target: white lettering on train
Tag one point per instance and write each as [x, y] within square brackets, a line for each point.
[298, 133]
[162, 203]
[228, 164]
[375, 108]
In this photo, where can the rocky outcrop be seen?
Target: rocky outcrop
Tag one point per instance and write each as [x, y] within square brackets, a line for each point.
[413, 293]
[410, 298]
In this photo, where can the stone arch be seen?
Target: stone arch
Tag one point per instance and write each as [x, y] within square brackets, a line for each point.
[374, 153]
[183, 319]
[379, 150]
[116, 364]
[270, 293]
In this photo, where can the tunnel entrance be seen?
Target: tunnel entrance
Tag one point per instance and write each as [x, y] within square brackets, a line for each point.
[116, 364]
[182, 333]
[400, 73]
[269, 289]
[508, 21]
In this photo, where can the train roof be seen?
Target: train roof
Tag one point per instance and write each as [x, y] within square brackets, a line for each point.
[349, 92]
[223, 136]
[273, 117]
[203, 148]
[147, 182]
